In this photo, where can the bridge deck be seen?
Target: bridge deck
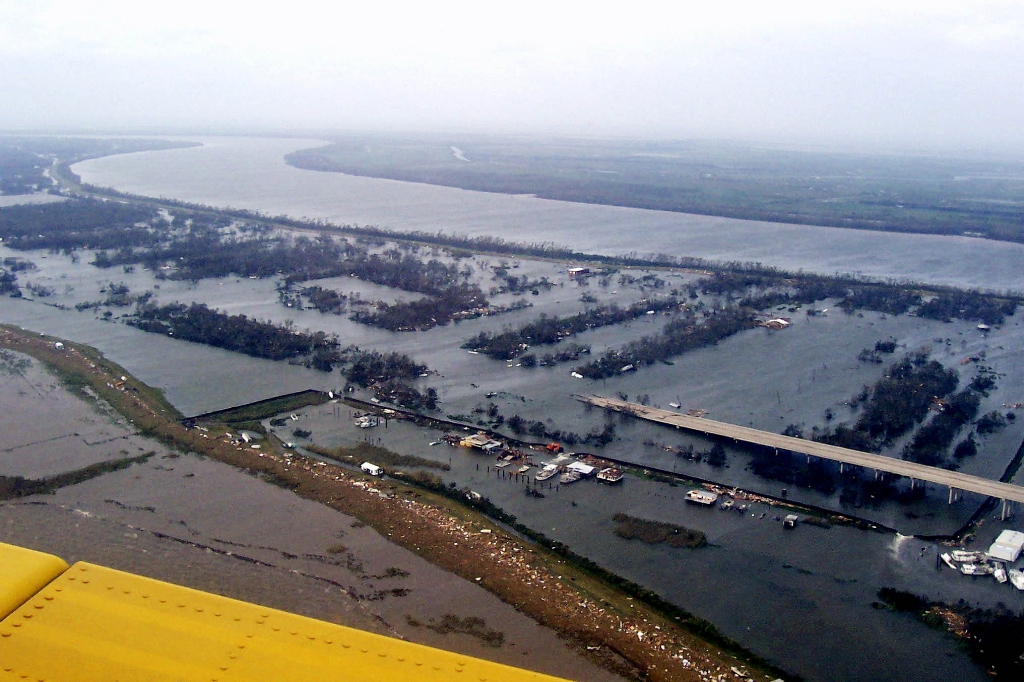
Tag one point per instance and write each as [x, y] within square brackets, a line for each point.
[920, 472]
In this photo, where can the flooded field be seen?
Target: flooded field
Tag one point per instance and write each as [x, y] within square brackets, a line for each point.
[251, 173]
[809, 585]
[207, 525]
[46, 431]
[788, 596]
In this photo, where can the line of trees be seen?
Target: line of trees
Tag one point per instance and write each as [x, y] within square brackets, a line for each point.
[201, 324]
[549, 330]
[682, 334]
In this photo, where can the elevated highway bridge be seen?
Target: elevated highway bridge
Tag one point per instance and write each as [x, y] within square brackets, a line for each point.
[954, 480]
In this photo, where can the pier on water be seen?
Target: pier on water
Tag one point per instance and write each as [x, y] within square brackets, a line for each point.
[954, 480]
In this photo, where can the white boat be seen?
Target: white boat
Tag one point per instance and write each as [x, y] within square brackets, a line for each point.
[523, 469]
[1016, 578]
[999, 574]
[728, 504]
[674, 405]
[963, 556]
[702, 497]
[977, 569]
[546, 473]
[948, 560]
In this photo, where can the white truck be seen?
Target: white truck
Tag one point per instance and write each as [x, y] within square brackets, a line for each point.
[372, 469]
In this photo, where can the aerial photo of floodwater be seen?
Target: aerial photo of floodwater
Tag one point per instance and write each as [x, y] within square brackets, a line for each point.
[785, 595]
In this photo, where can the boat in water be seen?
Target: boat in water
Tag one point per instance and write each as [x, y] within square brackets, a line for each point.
[978, 569]
[702, 497]
[999, 574]
[948, 560]
[547, 472]
[965, 557]
[1016, 578]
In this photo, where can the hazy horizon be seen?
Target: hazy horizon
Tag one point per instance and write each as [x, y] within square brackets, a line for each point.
[905, 76]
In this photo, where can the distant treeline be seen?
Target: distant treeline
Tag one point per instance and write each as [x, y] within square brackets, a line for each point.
[501, 246]
[762, 290]
[904, 195]
[81, 224]
[24, 161]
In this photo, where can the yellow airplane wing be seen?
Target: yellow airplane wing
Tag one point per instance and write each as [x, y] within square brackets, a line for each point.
[89, 623]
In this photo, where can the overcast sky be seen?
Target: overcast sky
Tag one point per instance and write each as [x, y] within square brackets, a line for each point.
[885, 74]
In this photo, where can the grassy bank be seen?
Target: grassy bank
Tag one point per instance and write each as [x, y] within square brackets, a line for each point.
[16, 486]
[655, 532]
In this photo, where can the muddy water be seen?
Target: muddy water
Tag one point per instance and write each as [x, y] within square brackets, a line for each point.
[788, 596]
[212, 505]
[203, 524]
[766, 379]
[251, 173]
[46, 431]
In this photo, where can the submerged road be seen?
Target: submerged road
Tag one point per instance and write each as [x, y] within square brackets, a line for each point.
[916, 472]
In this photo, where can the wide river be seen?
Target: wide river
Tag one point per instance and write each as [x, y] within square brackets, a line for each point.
[251, 173]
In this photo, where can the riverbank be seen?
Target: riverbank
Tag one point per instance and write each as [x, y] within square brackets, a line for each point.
[620, 632]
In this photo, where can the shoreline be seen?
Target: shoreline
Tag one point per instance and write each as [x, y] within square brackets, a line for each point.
[626, 636]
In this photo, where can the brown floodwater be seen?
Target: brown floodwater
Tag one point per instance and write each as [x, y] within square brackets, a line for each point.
[200, 523]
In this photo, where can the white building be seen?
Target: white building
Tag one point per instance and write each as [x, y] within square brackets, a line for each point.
[584, 470]
[1007, 546]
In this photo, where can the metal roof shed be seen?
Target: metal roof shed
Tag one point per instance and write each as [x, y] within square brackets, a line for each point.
[582, 469]
[1008, 546]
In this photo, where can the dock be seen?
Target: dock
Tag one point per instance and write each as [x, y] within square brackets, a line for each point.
[953, 480]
